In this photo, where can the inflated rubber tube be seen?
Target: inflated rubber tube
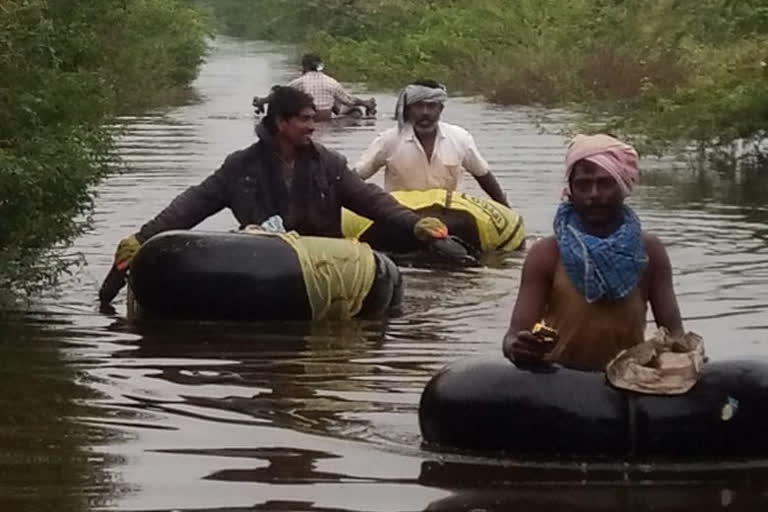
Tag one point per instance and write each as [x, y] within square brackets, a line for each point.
[732, 494]
[482, 224]
[386, 293]
[204, 275]
[492, 405]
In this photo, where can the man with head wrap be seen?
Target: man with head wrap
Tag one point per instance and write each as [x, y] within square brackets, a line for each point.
[592, 280]
[422, 152]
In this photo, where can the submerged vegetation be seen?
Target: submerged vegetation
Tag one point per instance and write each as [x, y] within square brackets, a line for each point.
[672, 72]
[67, 69]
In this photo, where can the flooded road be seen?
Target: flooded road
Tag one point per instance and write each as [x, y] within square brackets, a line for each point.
[191, 416]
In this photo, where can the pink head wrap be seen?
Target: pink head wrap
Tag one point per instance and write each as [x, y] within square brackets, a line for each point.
[610, 154]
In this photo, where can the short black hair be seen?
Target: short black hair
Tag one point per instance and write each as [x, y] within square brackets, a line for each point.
[311, 61]
[284, 103]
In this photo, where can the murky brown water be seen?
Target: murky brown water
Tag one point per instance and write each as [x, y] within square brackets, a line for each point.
[299, 417]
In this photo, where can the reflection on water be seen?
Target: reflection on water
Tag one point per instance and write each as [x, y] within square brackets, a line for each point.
[218, 416]
[630, 498]
[49, 458]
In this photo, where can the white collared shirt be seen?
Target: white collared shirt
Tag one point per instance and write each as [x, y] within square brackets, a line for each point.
[406, 164]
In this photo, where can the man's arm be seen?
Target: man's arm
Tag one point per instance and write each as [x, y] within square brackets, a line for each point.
[661, 291]
[190, 207]
[491, 187]
[370, 201]
[185, 211]
[477, 166]
[342, 96]
[530, 305]
[374, 157]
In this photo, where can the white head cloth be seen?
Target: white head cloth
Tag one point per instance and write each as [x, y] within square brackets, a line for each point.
[413, 94]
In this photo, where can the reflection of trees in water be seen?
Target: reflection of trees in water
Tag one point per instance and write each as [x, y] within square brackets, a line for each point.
[47, 460]
[282, 465]
[504, 488]
[713, 226]
[287, 466]
[304, 376]
[697, 188]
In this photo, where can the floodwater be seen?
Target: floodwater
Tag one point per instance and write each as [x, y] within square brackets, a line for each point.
[100, 414]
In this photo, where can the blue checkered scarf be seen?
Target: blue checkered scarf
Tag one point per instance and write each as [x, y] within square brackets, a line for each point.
[601, 268]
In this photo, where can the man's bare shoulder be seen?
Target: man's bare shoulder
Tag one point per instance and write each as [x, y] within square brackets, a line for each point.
[658, 259]
[543, 255]
[653, 245]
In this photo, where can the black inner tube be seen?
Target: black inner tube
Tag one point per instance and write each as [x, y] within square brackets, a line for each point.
[461, 224]
[484, 404]
[220, 276]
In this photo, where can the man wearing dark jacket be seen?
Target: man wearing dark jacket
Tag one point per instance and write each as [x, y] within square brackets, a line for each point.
[286, 174]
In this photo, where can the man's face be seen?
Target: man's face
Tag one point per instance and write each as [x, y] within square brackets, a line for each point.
[298, 130]
[596, 195]
[424, 116]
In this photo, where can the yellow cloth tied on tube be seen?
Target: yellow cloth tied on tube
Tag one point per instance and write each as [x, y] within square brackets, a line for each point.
[338, 273]
[498, 227]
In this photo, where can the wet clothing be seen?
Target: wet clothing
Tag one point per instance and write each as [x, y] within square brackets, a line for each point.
[407, 166]
[601, 268]
[591, 334]
[251, 183]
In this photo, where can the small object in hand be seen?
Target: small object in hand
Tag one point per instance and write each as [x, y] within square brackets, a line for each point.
[544, 333]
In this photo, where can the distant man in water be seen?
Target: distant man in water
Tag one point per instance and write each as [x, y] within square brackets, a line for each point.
[285, 179]
[329, 95]
[422, 152]
[591, 281]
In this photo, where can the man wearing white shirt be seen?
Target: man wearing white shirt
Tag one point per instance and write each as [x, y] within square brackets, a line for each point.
[422, 152]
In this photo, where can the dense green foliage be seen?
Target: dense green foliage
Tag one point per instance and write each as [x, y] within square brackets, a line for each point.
[671, 71]
[67, 69]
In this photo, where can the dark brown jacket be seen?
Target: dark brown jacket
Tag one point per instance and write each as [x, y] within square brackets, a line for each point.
[251, 183]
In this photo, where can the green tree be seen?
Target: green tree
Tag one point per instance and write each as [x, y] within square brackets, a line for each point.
[66, 70]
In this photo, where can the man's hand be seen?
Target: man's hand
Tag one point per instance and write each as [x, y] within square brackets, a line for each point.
[525, 347]
[370, 106]
[126, 250]
[115, 280]
[429, 228]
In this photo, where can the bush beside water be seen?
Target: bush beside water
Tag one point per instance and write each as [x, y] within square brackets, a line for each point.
[67, 70]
